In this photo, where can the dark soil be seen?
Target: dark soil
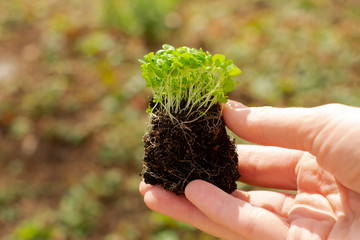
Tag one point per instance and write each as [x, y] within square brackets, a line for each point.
[186, 148]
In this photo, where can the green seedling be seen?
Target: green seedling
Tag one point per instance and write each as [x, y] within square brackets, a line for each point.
[187, 75]
[187, 139]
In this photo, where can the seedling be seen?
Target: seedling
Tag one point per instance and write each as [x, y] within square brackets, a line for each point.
[187, 138]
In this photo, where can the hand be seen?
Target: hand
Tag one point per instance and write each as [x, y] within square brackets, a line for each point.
[312, 150]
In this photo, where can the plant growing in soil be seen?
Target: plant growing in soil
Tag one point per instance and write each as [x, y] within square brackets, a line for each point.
[187, 139]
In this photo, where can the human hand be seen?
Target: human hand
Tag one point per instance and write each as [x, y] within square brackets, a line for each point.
[316, 153]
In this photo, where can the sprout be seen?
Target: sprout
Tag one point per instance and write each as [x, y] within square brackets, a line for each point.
[186, 79]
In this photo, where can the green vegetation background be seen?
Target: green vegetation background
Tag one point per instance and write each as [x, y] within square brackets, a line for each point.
[72, 99]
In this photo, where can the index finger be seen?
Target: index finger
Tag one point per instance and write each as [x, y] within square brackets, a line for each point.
[293, 128]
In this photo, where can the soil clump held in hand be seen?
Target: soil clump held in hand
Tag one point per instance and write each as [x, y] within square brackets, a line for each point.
[188, 147]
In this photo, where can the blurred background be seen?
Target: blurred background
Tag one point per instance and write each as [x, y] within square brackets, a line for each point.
[72, 99]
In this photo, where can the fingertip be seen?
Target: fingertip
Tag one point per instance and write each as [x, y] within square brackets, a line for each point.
[152, 197]
[165, 202]
[232, 113]
[143, 187]
[234, 105]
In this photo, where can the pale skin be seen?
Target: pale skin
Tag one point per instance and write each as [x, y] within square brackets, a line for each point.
[315, 151]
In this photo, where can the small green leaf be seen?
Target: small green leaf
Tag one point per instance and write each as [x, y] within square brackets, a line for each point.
[233, 70]
[218, 60]
[228, 85]
[149, 57]
[159, 73]
[168, 47]
[223, 100]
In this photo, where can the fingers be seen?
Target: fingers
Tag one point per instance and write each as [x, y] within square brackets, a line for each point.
[284, 127]
[329, 132]
[179, 208]
[271, 167]
[234, 214]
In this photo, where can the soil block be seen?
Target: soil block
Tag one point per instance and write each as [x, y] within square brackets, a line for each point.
[188, 147]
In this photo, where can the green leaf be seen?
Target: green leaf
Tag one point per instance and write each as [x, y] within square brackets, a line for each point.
[168, 47]
[159, 73]
[228, 85]
[233, 70]
[218, 60]
[149, 57]
[223, 100]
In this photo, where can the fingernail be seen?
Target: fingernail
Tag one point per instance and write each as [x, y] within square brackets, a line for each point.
[235, 104]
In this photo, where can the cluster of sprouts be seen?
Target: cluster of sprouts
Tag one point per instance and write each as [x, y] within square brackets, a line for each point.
[186, 79]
